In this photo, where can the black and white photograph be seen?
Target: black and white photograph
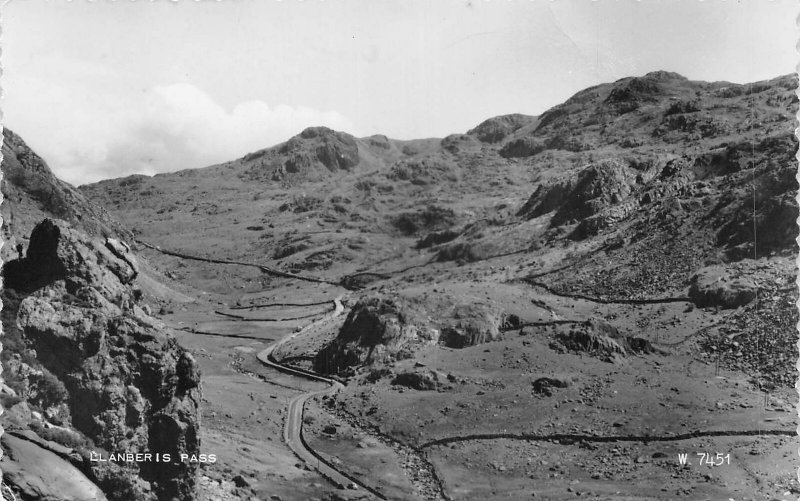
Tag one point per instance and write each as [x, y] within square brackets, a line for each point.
[413, 250]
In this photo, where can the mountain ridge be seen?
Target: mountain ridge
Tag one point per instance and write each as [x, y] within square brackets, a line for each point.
[620, 266]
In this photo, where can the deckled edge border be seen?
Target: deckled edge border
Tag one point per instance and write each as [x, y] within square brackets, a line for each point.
[3, 5]
[797, 259]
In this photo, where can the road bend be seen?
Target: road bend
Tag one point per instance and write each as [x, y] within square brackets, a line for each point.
[293, 427]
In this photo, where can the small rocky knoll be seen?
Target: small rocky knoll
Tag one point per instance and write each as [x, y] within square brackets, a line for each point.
[471, 324]
[600, 339]
[86, 355]
[584, 194]
[377, 329]
[308, 155]
[380, 330]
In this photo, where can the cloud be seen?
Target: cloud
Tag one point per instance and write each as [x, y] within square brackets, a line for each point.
[86, 137]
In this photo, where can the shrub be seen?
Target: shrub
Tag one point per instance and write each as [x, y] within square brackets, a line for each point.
[48, 389]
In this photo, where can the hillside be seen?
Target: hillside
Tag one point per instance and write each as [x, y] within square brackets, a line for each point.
[610, 283]
[32, 193]
[615, 159]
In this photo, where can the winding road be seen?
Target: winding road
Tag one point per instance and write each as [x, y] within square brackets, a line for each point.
[293, 426]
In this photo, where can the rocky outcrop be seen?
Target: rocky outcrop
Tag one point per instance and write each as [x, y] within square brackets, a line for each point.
[496, 129]
[600, 339]
[334, 150]
[311, 155]
[472, 324]
[544, 385]
[431, 218]
[420, 380]
[378, 329]
[129, 386]
[629, 94]
[719, 286]
[579, 196]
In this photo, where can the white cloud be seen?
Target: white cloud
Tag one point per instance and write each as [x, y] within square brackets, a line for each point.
[88, 136]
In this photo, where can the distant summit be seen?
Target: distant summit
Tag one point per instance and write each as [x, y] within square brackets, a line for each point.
[307, 155]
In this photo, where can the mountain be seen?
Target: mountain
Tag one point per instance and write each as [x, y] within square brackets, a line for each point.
[564, 285]
[610, 159]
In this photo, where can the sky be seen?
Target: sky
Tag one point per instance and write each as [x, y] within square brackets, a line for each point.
[106, 89]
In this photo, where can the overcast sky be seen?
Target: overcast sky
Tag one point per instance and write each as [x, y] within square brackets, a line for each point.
[105, 89]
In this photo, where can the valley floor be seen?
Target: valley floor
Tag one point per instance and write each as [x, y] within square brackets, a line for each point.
[617, 430]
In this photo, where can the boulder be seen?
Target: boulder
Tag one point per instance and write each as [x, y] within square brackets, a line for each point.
[470, 325]
[719, 286]
[419, 380]
[18, 414]
[377, 329]
[34, 473]
[59, 252]
[545, 385]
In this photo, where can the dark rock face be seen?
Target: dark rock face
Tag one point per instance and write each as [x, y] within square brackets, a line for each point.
[130, 386]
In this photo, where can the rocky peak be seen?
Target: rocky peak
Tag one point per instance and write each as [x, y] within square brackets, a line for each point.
[334, 150]
[311, 155]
